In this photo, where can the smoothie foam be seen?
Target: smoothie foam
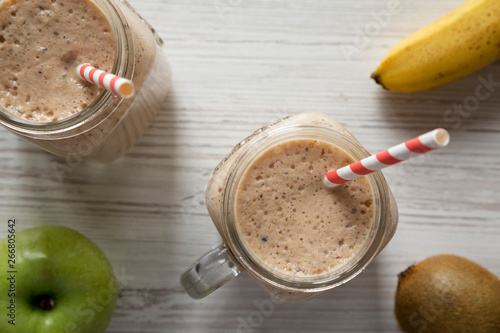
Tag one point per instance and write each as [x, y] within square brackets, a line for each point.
[290, 220]
[42, 43]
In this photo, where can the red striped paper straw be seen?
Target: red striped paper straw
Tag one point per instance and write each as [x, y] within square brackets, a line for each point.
[420, 145]
[117, 85]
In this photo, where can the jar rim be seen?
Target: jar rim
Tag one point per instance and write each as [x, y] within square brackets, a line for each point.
[344, 273]
[94, 113]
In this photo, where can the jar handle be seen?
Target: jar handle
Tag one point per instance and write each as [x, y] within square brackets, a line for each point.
[210, 272]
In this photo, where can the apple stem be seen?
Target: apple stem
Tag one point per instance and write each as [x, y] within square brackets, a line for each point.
[44, 302]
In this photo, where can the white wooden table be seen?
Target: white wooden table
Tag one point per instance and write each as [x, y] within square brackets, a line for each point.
[237, 65]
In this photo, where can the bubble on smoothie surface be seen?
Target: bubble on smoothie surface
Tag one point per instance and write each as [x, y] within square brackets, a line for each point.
[41, 44]
[291, 221]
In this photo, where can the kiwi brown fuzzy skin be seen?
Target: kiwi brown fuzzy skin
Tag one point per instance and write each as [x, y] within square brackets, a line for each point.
[448, 293]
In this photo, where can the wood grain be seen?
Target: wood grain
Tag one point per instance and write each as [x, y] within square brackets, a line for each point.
[234, 72]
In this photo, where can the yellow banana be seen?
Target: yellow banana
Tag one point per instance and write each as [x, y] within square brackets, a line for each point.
[452, 47]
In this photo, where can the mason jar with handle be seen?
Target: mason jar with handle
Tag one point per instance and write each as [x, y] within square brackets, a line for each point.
[238, 252]
[109, 126]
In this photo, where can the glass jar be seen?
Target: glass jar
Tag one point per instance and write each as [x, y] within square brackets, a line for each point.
[108, 127]
[231, 257]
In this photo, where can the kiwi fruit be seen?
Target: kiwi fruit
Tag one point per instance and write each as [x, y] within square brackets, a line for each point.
[448, 294]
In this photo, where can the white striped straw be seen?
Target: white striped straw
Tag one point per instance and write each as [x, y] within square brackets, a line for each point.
[117, 85]
[420, 145]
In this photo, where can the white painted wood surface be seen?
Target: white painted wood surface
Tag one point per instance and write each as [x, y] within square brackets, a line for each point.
[237, 65]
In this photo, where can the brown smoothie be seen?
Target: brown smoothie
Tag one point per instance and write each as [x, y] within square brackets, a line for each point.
[103, 128]
[336, 232]
[290, 221]
[41, 44]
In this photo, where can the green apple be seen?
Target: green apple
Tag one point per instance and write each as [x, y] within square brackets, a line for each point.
[54, 280]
